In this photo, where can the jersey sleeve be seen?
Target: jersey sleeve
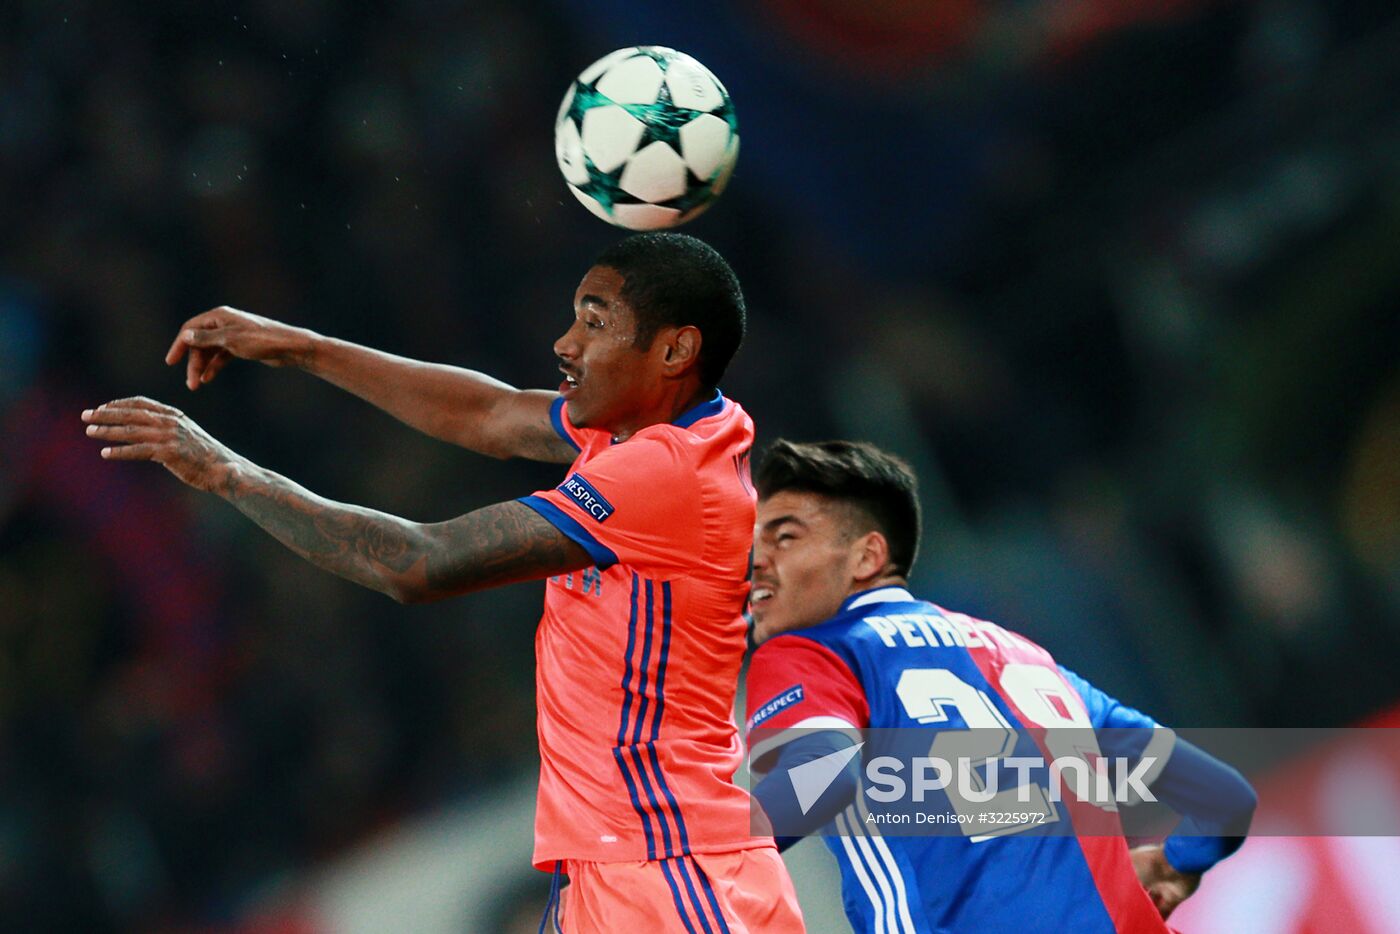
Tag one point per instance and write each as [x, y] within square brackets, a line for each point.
[1216, 802]
[1104, 711]
[565, 429]
[1122, 730]
[795, 683]
[636, 502]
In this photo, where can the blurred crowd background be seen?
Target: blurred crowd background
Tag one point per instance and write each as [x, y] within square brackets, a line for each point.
[1121, 278]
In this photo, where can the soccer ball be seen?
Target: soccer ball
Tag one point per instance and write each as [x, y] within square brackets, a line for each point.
[646, 138]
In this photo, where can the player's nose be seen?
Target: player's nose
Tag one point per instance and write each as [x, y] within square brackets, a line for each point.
[567, 346]
[759, 560]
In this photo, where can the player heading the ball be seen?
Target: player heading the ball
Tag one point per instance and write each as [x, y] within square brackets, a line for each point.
[638, 655]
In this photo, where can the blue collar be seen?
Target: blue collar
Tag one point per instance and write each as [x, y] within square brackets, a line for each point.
[888, 594]
[712, 406]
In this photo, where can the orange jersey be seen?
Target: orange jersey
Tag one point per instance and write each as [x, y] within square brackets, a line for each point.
[638, 657]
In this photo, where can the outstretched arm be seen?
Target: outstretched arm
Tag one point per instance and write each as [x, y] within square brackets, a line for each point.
[452, 404]
[412, 562]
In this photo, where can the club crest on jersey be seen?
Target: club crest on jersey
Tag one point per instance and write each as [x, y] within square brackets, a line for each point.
[792, 695]
[588, 498]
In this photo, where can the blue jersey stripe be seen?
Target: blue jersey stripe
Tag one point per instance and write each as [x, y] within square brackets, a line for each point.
[652, 800]
[643, 755]
[665, 655]
[622, 727]
[648, 784]
[651, 748]
[602, 555]
[642, 699]
[711, 406]
[694, 898]
[556, 416]
[627, 666]
[710, 896]
[641, 716]
[670, 799]
[676, 896]
[636, 803]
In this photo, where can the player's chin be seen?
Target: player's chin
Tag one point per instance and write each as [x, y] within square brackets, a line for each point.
[765, 625]
[579, 414]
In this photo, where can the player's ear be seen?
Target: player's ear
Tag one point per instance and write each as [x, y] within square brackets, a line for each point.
[682, 350]
[872, 556]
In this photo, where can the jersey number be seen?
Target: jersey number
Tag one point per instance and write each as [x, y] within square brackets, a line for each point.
[928, 693]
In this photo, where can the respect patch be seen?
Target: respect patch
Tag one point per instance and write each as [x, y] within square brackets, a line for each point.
[792, 695]
[587, 497]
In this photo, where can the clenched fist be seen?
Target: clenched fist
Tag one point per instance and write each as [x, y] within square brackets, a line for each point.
[1167, 887]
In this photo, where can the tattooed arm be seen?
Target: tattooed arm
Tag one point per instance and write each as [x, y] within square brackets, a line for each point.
[410, 561]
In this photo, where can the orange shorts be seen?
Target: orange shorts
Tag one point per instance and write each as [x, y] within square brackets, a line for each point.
[739, 892]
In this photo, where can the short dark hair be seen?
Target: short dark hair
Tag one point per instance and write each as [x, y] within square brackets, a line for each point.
[879, 484]
[674, 279]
